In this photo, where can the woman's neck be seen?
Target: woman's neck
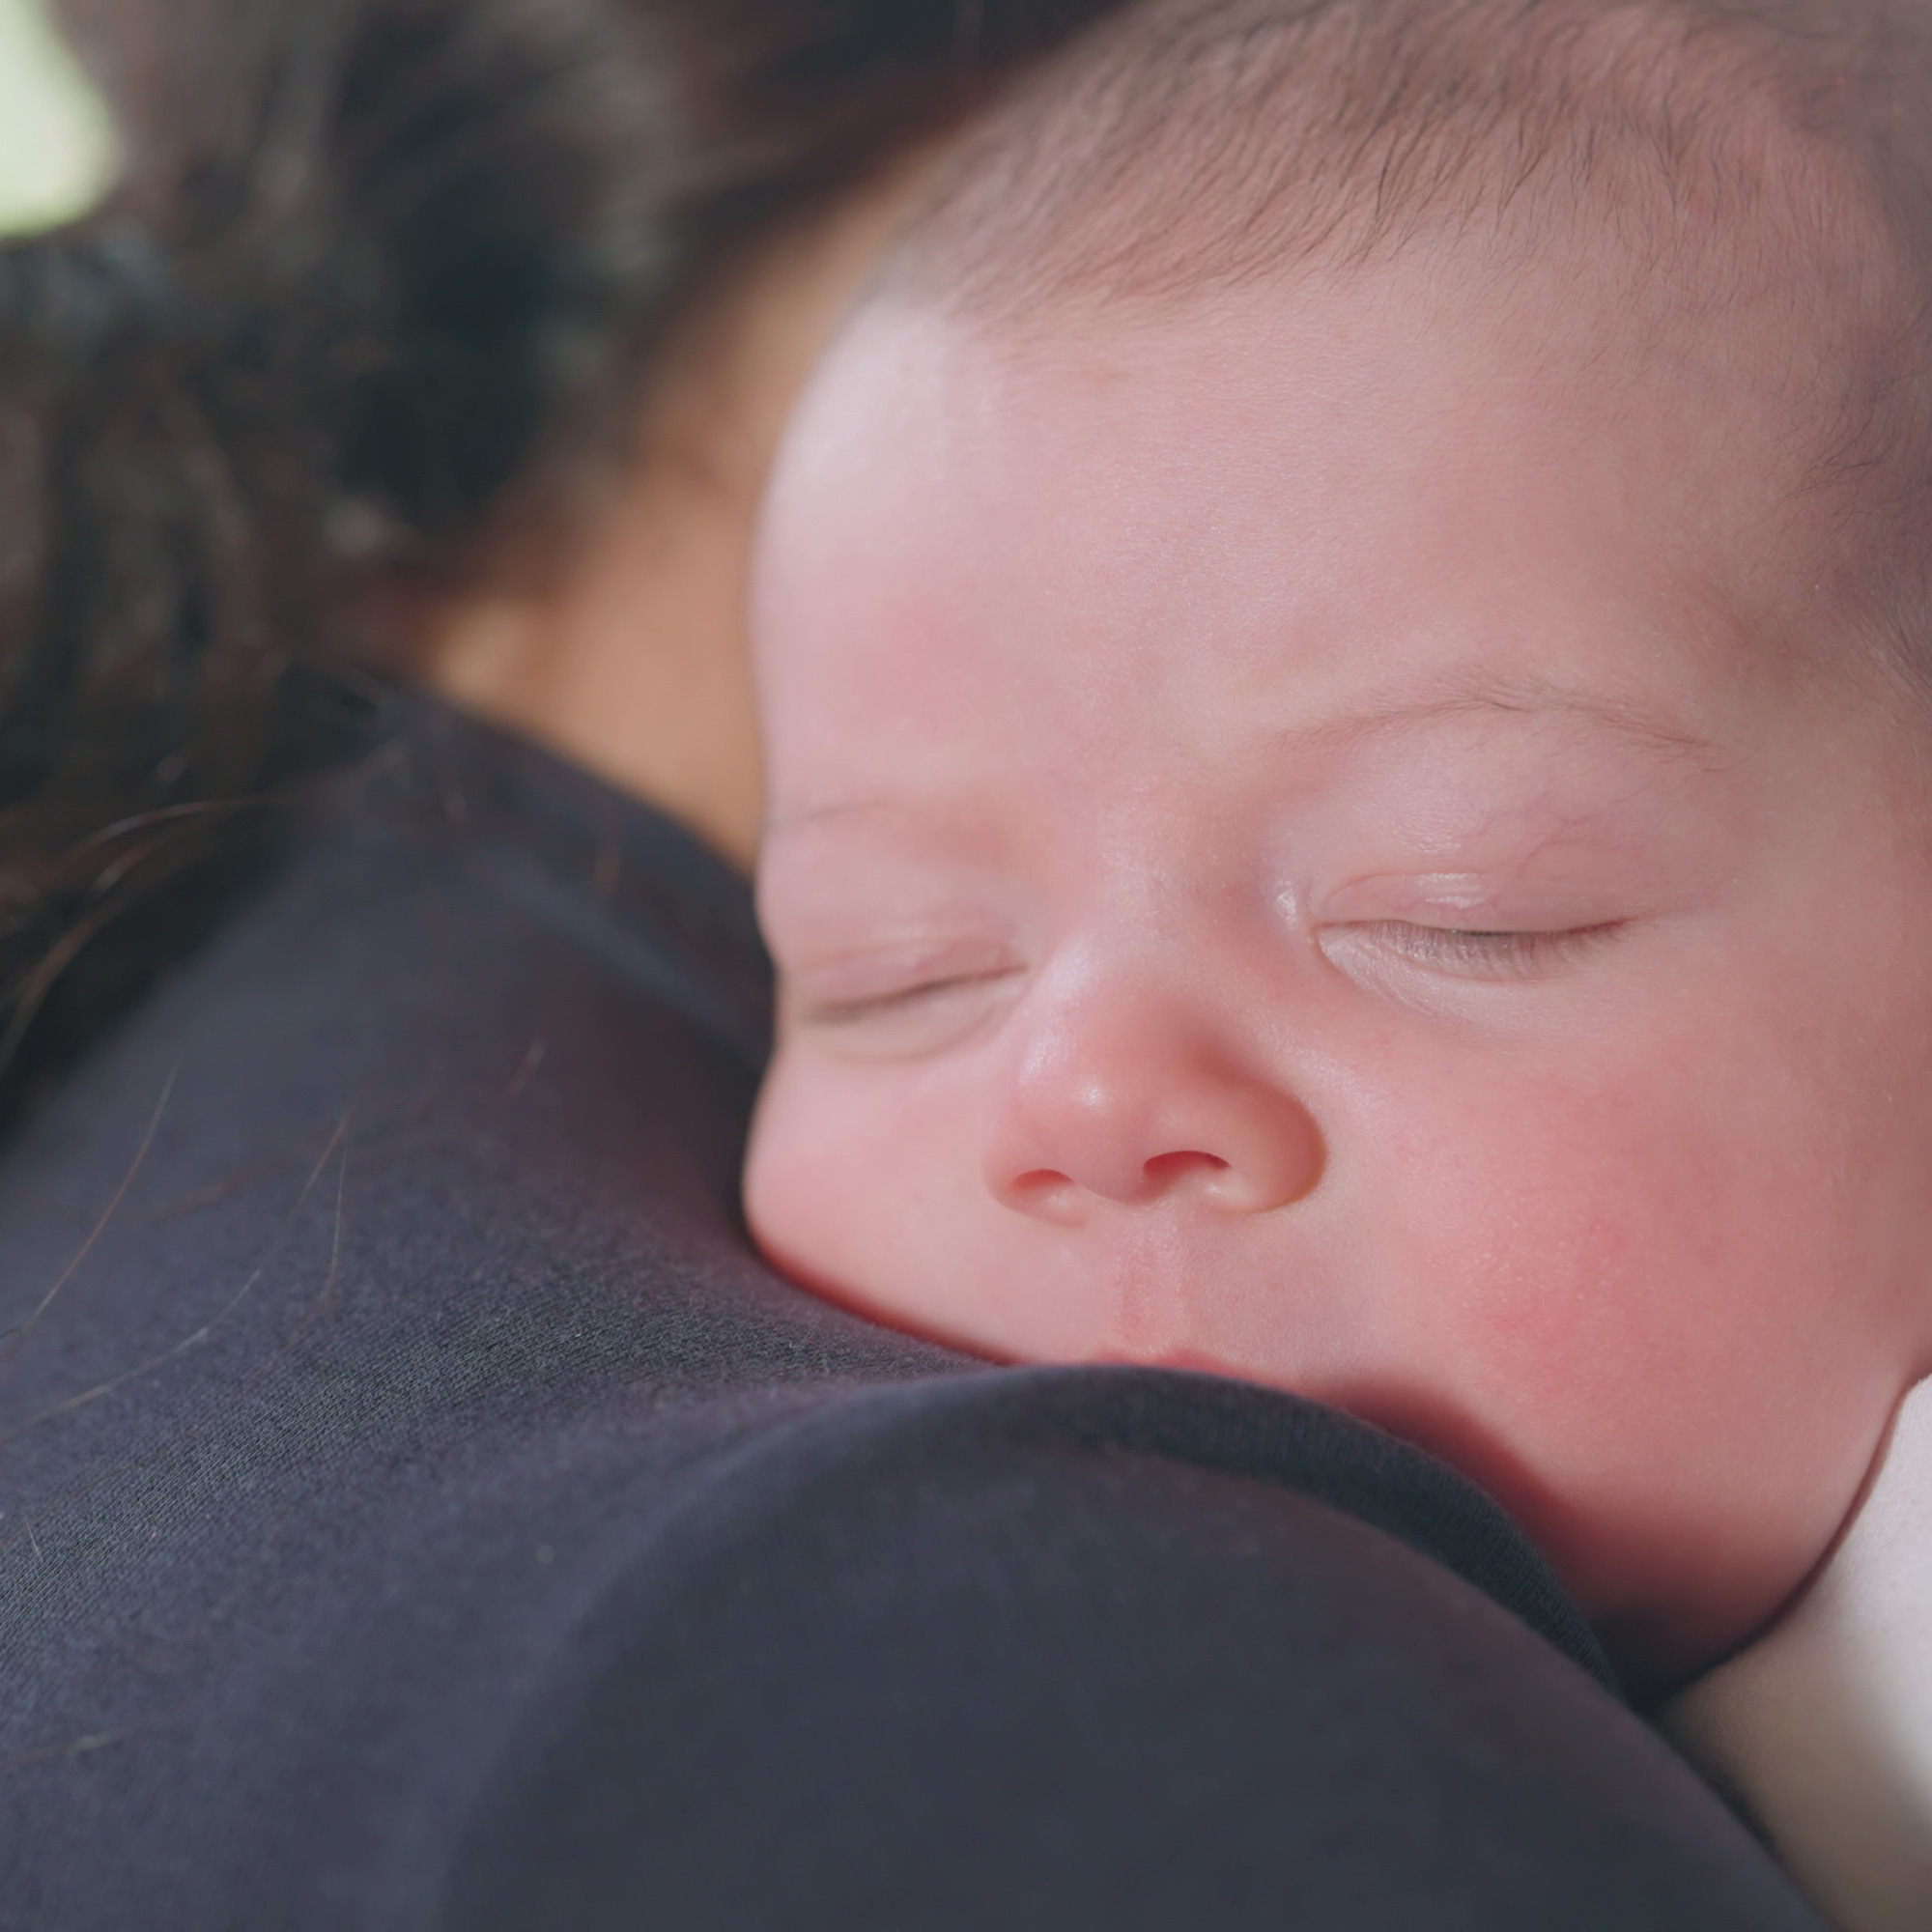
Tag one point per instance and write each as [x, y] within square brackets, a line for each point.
[632, 660]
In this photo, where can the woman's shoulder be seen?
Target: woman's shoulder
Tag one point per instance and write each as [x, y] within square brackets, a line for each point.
[364, 1295]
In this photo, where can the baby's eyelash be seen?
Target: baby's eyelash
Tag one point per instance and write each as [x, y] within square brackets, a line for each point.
[874, 1006]
[1476, 954]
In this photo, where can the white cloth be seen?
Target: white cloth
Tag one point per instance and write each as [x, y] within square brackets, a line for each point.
[1823, 1725]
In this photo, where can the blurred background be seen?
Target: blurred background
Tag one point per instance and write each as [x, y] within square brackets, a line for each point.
[55, 149]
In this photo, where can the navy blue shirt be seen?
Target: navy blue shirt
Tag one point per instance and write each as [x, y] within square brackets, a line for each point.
[419, 1508]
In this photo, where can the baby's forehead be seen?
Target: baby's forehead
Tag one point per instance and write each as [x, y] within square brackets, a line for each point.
[1254, 496]
[1229, 404]
[1122, 529]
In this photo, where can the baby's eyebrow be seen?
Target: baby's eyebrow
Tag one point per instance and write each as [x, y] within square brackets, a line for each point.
[1651, 727]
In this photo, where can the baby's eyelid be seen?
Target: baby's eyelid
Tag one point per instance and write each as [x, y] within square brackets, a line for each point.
[877, 978]
[1463, 903]
[864, 1005]
[1469, 952]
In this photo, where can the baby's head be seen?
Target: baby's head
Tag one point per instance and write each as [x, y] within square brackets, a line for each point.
[1349, 801]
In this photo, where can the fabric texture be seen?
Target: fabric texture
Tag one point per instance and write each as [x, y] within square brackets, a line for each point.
[421, 1509]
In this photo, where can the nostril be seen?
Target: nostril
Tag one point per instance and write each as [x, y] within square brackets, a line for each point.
[1046, 1193]
[1165, 1169]
[1040, 1182]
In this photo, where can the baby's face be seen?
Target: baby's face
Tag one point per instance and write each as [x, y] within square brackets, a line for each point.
[1309, 845]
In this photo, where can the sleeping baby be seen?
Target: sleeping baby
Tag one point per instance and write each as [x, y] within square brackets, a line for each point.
[1346, 642]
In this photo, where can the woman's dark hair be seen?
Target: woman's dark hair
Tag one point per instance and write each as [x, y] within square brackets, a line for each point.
[373, 271]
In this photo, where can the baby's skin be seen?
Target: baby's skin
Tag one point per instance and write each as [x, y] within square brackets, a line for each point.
[1334, 835]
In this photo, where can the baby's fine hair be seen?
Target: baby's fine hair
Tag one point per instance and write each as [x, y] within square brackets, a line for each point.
[1754, 171]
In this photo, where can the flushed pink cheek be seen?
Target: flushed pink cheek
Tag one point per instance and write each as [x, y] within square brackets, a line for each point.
[1634, 1338]
[859, 1199]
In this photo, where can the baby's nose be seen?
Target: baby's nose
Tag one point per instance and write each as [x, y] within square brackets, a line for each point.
[1115, 1099]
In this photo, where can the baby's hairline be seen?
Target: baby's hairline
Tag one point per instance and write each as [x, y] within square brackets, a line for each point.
[1791, 230]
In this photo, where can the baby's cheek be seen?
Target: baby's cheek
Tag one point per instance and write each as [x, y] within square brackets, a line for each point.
[852, 1184]
[1651, 1299]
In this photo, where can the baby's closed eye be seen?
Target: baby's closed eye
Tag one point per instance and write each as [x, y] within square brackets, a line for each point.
[900, 998]
[1468, 926]
[1465, 953]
